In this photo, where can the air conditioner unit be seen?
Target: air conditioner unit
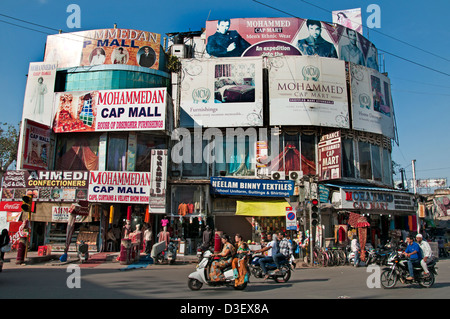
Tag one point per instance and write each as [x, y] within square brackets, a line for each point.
[295, 175]
[278, 175]
[179, 50]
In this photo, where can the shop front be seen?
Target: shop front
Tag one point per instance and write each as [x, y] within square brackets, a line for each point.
[252, 208]
[53, 194]
[381, 214]
[189, 214]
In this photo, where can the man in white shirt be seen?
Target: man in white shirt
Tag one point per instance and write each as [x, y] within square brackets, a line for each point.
[271, 248]
[427, 253]
[355, 249]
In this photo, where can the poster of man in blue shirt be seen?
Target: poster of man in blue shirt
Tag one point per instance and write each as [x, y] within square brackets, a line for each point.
[415, 255]
[226, 43]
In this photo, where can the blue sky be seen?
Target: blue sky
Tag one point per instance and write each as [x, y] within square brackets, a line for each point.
[421, 94]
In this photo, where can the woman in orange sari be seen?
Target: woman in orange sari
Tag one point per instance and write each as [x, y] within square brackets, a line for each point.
[239, 264]
[227, 254]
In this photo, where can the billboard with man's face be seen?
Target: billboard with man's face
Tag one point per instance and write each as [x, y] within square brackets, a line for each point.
[104, 46]
[275, 37]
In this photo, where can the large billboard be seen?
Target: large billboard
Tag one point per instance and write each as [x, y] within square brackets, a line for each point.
[38, 101]
[104, 46]
[308, 90]
[221, 92]
[110, 110]
[372, 107]
[287, 37]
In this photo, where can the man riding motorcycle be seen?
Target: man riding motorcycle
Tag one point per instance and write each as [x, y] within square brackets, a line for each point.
[271, 248]
[414, 254]
[285, 250]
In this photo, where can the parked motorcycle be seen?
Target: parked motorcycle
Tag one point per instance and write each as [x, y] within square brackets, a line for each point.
[172, 252]
[287, 266]
[83, 251]
[398, 271]
[158, 252]
[200, 276]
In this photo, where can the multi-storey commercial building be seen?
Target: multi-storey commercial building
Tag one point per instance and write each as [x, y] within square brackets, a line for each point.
[284, 111]
[262, 116]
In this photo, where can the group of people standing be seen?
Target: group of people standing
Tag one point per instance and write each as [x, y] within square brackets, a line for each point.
[278, 248]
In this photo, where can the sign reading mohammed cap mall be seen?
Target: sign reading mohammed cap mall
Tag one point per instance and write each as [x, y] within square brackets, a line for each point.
[362, 199]
[251, 187]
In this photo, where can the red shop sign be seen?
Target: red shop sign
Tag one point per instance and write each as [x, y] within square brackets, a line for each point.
[10, 206]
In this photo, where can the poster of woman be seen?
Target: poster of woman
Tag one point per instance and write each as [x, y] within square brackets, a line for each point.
[38, 102]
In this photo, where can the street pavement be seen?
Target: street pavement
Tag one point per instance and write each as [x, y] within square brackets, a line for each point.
[106, 278]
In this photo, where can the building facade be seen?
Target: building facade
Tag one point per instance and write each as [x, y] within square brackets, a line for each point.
[262, 116]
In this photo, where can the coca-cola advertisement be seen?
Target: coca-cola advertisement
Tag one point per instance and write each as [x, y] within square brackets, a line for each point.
[10, 206]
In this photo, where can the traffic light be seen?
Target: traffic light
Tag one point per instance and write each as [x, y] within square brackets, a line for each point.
[314, 212]
[27, 202]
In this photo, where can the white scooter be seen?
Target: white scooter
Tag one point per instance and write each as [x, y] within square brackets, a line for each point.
[201, 275]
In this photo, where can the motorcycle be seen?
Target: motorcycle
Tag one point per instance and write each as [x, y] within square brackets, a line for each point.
[83, 251]
[287, 266]
[172, 252]
[398, 271]
[200, 276]
[158, 252]
[201, 250]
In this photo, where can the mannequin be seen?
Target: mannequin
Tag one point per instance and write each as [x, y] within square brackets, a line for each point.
[164, 235]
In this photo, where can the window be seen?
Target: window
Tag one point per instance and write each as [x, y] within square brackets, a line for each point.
[365, 166]
[308, 154]
[387, 167]
[196, 166]
[348, 160]
[235, 157]
[376, 162]
[77, 151]
[117, 152]
[145, 143]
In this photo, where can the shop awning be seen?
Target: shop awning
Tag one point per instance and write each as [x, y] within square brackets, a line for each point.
[268, 208]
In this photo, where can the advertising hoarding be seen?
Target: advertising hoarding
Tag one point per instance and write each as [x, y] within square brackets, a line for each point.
[330, 160]
[110, 110]
[372, 107]
[221, 92]
[119, 187]
[350, 18]
[287, 37]
[38, 101]
[308, 91]
[158, 185]
[104, 46]
[36, 146]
